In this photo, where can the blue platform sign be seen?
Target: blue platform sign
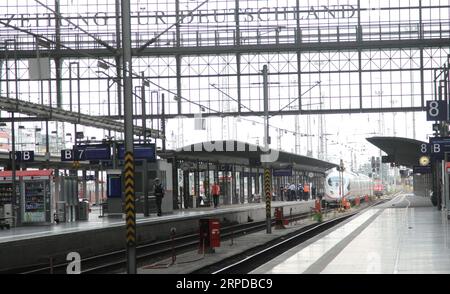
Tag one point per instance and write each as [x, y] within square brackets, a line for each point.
[141, 151]
[92, 152]
[438, 147]
[282, 172]
[114, 187]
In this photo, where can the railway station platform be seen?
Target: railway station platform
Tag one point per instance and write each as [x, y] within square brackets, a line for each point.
[403, 236]
[234, 248]
[28, 245]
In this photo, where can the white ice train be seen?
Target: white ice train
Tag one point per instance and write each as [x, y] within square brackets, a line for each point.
[354, 185]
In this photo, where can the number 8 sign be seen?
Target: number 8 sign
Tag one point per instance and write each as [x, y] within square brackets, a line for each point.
[436, 110]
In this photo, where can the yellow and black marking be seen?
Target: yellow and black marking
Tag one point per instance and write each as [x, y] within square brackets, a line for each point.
[268, 190]
[129, 199]
[76, 164]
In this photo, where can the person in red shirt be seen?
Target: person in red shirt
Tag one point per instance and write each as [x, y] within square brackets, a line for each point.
[215, 191]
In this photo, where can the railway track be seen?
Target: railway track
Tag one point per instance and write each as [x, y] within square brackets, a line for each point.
[116, 261]
[251, 259]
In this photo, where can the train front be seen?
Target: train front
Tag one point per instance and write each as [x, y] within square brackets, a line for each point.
[333, 187]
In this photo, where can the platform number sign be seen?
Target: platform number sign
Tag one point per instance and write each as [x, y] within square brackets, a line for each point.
[72, 155]
[436, 110]
[425, 148]
[23, 156]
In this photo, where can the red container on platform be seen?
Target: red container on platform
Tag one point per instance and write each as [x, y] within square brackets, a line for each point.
[209, 233]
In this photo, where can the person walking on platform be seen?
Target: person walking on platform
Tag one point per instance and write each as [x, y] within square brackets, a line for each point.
[159, 194]
[215, 191]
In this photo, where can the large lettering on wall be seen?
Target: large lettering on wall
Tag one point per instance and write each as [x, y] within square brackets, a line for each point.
[245, 15]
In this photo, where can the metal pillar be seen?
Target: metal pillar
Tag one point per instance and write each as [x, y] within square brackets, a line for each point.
[196, 185]
[175, 183]
[163, 123]
[84, 184]
[267, 171]
[186, 192]
[144, 140]
[128, 122]
[208, 185]
[257, 190]
[241, 187]
[235, 198]
[249, 185]
[96, 175]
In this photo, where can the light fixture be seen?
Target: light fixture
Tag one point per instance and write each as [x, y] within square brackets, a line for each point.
[102, 65]
[22, 127]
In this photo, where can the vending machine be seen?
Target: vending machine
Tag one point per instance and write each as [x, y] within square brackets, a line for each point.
[6, 199]
[33, 189]
[36, 195]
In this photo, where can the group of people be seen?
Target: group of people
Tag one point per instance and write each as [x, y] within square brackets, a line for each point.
[292, 192]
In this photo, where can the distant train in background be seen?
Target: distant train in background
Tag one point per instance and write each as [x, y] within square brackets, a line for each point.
[354, 185]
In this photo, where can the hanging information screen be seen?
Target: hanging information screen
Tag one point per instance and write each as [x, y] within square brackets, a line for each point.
[141, 151]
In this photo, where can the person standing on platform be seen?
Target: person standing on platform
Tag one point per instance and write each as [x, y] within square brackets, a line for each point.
[159, 195]
[300, 192]
[292, 192]
[306, 191]
[215, 191]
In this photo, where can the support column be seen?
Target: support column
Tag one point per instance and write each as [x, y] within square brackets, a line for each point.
[249, 185]
[84, 184]
[216, 174]
[241, 186]
[234, 185]
[129, 166]
[196, 187]
[186, 192]
[227, 196]
[208, 185]
[176, 199]
[145, 187]
[257, 190]
[96, 187]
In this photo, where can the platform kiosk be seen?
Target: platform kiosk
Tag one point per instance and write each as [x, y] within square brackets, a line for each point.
[33, 191]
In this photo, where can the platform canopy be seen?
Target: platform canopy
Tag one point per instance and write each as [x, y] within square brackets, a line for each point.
[402, 151]
[240, 153]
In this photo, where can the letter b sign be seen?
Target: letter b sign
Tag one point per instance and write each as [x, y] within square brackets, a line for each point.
[67, 155]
